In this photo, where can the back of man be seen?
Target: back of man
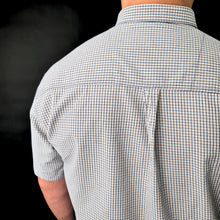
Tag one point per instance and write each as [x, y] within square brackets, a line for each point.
[131, 119]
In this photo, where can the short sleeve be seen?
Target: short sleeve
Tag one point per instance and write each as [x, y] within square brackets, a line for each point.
[47, 163]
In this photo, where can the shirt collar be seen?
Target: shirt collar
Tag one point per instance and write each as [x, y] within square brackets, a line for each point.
[157, 13]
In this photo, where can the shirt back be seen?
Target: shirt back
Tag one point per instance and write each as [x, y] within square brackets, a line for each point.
[131, 119]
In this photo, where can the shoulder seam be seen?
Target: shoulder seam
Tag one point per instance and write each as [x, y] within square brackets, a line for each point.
[125, 85]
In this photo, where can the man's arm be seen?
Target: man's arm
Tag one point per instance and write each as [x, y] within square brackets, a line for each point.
[57, 198]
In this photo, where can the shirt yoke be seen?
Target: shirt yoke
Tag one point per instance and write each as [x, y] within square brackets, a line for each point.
[118, 54]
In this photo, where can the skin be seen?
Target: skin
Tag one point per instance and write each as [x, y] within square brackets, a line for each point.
[186, 3]
[57, 198]
[55, 192]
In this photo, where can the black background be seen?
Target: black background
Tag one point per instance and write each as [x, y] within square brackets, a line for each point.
[33, 36]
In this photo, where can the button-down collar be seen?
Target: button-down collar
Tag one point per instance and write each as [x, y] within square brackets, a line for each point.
[157, 13]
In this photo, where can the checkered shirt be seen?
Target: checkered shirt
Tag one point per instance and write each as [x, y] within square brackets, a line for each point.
[131, 119]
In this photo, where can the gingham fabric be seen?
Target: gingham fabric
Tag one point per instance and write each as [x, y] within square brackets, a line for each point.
[131, 119]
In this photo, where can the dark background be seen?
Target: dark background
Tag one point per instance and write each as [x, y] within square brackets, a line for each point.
[34, 35]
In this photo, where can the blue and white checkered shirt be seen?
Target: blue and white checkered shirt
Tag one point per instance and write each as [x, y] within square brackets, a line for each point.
[131, 119]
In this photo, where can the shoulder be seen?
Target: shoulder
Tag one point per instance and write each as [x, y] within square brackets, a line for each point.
[210, 44]
[210, 53]
[74, 63]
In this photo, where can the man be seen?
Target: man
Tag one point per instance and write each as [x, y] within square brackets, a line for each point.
[127, 126]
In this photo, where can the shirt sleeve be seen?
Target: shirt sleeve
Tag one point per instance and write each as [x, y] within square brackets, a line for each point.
[47, 163]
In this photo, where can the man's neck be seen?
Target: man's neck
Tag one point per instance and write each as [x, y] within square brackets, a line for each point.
[186, 3]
